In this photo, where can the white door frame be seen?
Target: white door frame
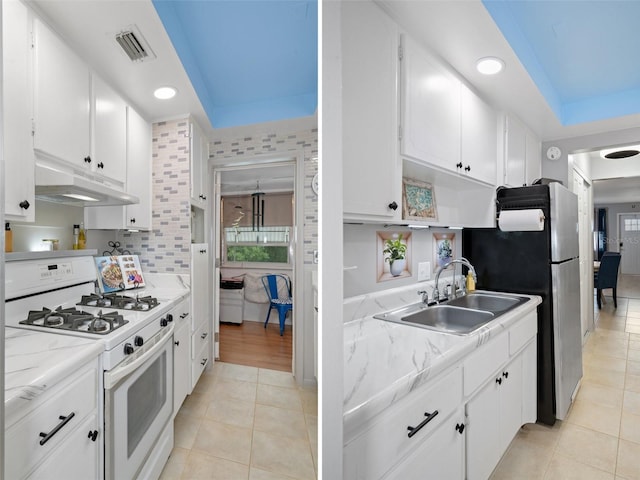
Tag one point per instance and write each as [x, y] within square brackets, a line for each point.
[585, 229]
[295, 159]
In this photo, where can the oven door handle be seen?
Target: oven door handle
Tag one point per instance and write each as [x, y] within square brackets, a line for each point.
[113, 377]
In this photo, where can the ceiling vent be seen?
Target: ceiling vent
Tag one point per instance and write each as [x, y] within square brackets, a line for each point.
[134, 45]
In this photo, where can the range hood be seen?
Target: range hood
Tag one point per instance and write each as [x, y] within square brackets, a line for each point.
[70, 189]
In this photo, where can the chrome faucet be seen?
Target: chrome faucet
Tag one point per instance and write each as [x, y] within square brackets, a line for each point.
[425, 296]
[461, 261]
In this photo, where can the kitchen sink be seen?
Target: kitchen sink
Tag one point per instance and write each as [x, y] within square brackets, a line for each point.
[490, 302]
[460, 316]
[443, 318]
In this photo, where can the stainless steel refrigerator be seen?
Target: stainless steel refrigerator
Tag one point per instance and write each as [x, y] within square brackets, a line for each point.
[541, 263]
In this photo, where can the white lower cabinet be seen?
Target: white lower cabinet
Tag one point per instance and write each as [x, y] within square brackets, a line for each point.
[62, 425]
[441, 456]
[481, 403]
[181, 354]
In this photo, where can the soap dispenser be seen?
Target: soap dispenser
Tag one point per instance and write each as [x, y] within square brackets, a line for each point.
[471, 284]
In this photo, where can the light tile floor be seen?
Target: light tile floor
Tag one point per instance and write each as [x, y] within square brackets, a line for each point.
[245, 423]
[600, 438]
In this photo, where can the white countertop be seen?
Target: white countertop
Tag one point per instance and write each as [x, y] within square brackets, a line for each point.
[36, 361]
[385, 361]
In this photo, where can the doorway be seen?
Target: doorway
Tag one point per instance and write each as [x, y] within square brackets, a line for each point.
[629, 243]
[256, 222]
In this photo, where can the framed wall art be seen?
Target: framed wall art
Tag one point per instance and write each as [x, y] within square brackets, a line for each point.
[443, 249]
[393, 251]
[418, 200]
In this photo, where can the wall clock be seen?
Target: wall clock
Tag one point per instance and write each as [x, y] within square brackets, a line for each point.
[554, 153]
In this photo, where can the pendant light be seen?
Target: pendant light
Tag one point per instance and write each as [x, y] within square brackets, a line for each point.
[257, 199]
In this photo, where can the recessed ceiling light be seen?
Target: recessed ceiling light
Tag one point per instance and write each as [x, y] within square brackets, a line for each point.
[165, 93]
[620, 152]
[489, 65]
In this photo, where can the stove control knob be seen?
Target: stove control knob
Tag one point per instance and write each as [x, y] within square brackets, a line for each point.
[128, 349]
[169, 317]
[138, 341]
[163, 322]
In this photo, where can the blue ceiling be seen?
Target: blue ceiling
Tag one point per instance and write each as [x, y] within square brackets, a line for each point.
[582, 55]
[248, 61]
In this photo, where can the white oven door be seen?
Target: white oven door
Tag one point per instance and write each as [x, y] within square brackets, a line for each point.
[138, 405]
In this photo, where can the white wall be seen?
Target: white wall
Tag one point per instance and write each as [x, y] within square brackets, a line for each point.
[360, 251]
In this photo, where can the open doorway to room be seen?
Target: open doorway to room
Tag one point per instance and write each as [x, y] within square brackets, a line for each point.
[255, 231]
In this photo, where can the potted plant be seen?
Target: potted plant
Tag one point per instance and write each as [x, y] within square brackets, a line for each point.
[395, 251]
[444, 252]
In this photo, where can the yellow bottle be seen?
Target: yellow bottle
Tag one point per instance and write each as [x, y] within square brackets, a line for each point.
[82, 238]
[471, 284]
[8, 238]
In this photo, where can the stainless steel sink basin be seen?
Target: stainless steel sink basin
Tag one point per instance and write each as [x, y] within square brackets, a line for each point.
[490, 302]
[443, 318]
[460, 316]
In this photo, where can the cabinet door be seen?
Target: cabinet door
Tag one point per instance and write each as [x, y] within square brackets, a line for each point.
[510, 402]
[61, 100]
[515, 153]
[439, 457]
[181, 365]
[109, 157]
[199, 166]
[76, 457]
[479, 143]
[430, 109]
[17, 98]
[533, 158]
[200, 291]
[483, 432]
[371, 170]
[139, 170]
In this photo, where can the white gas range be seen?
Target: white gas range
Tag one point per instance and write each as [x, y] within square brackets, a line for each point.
[57, 296]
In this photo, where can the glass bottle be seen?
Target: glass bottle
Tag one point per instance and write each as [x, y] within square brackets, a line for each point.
[82, 238]
[76, 236]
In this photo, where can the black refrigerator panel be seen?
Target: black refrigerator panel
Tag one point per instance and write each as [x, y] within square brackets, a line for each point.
[518, 262]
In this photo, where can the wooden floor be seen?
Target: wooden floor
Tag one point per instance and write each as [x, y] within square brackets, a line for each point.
[249, 343]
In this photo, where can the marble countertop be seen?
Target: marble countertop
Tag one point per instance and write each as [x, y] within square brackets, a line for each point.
[385, 361]
[36, 361]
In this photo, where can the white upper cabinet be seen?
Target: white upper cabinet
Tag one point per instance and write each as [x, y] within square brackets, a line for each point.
[199, 166]
[522, 150]
[110, 132]
[515, 138]
[479, 150]
[62, 101]
[79, 121]
[138, 171]
[371, 170]
[17, 99]
[430, 109]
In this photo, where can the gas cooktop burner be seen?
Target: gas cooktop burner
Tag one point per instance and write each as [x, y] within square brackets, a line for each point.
[73, 319]
[119, 301]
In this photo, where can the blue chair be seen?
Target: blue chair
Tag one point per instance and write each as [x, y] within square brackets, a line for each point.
[607, 276]
[273, 285]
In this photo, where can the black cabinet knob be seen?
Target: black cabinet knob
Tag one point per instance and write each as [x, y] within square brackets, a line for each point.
[177, 343]
[499, 381]
[203, 197]
[505, 374]
[184, 315]
[460, 427]
[24, 204]
[87, 159]
[93, 435]
[203, 362]
[459, 165]
[128, 349]
[393, 206]
[163, 322]
[467, 168]
[101, 165]
[138, 341]
[203, 251]
[132, 220]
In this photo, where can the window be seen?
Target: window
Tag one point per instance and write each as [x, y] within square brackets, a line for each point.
[631, 224]
[243, 244]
